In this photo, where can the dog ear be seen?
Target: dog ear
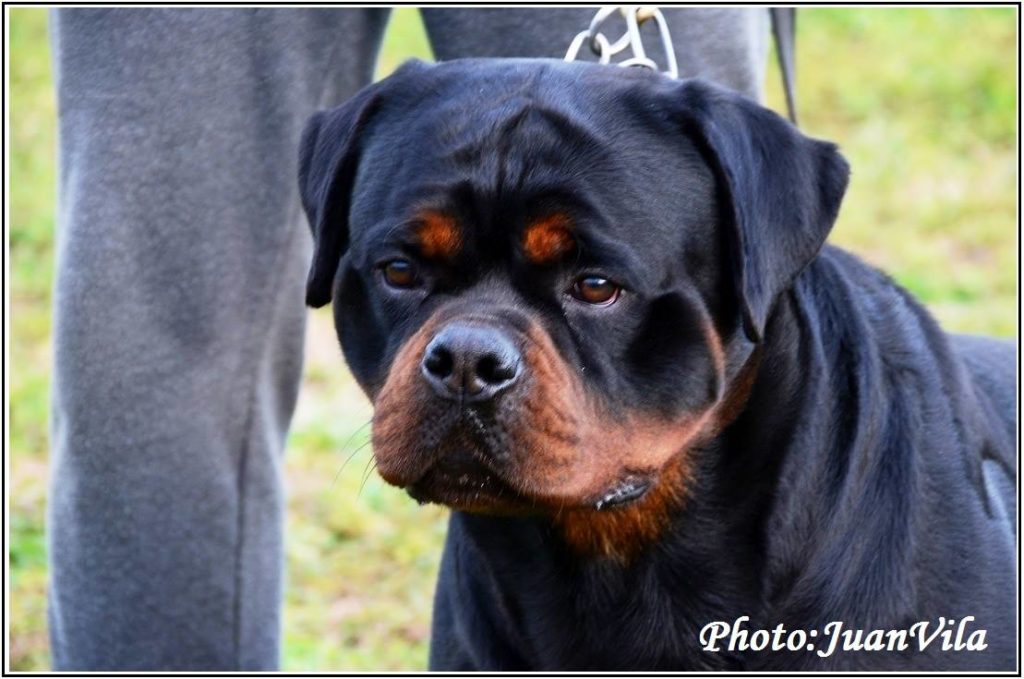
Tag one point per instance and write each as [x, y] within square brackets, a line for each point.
[783, 191]
[328, 158]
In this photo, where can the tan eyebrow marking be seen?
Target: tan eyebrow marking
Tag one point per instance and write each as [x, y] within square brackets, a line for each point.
[548, 238]
[439, 235]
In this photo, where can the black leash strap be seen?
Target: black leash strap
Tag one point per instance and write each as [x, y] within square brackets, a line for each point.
[784, 30]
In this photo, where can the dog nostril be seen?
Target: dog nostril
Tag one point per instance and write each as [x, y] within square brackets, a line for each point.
[492, 370]
[470, 362]
[439, 362]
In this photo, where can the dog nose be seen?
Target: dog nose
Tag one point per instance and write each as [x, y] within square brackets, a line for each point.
[470, 361]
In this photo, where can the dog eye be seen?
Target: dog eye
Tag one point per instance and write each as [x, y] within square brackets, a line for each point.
[595, 290]
[400, 273]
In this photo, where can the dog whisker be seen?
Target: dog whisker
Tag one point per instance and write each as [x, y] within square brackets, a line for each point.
[349, 459]
[368, 472]
[356, 433]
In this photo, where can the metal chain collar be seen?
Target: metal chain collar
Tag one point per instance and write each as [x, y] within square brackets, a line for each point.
[605, 49]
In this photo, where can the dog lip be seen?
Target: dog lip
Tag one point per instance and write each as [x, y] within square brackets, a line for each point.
[624, 492]
[458, 482]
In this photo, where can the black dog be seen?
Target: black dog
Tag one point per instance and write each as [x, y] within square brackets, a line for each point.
[594, 313]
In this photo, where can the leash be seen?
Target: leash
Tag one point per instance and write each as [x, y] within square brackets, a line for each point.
[784, 32]
[783, 20]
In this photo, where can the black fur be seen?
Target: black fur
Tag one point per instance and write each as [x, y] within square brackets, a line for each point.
[868, 479]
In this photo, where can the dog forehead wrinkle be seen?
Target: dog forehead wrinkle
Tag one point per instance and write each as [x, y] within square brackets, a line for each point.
[520, 139]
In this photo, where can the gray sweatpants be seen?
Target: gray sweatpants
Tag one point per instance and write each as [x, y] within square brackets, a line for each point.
[179, 318]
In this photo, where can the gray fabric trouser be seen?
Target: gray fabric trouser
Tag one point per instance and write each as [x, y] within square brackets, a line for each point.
[179, 318]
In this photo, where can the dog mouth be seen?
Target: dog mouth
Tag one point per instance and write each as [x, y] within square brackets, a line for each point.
[461, 474]
[493, 458]
[462, 482]
[463, 477]
[469, 471]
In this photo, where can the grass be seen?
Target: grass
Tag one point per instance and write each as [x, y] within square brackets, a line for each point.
[923, 103]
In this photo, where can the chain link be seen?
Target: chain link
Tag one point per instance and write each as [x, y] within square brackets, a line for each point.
[631, 39]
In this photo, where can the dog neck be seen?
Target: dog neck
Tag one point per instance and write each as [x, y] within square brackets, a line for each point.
[622, 533]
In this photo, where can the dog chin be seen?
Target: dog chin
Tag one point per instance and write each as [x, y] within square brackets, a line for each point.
[466, 485]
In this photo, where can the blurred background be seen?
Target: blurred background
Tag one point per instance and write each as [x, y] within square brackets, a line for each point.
[923, 102]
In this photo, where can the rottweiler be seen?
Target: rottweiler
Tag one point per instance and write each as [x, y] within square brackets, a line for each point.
[595, 313]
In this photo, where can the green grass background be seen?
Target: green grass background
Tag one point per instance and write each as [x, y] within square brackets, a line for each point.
[923, 103]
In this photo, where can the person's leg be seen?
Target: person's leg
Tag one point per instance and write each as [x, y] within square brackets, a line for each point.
[179, 318]
[726, 45]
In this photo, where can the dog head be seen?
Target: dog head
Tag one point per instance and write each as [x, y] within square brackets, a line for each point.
[548, 276]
